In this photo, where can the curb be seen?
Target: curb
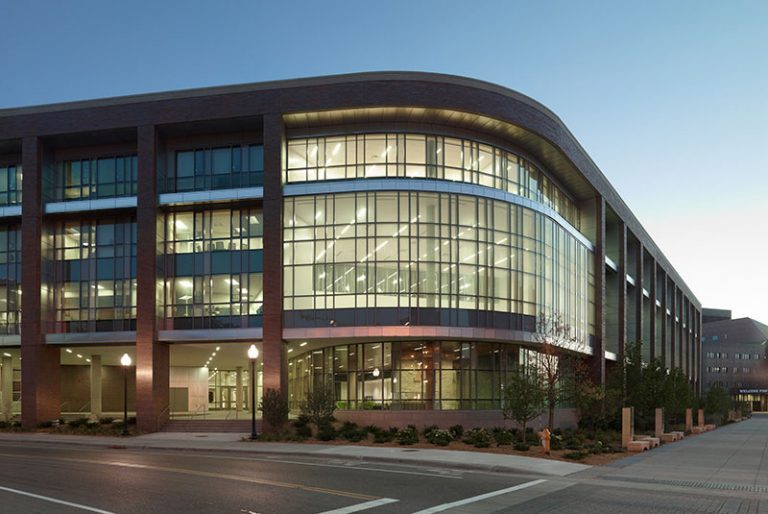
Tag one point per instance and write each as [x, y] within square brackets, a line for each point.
[492, 468]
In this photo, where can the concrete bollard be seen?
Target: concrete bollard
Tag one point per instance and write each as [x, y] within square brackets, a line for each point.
[627, 426]
[701, 417]
[659, 422]
[688, 420]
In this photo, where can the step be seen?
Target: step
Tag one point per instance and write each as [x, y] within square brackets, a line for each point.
[204, 425]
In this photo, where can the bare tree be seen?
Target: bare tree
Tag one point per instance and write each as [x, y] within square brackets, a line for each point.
[558, 351]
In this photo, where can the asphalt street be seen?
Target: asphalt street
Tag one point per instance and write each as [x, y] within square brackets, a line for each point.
[725, 471]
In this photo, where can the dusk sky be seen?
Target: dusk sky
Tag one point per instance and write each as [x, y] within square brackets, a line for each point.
[669, 98]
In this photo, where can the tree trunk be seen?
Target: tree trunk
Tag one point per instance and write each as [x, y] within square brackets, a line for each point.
[551, 415]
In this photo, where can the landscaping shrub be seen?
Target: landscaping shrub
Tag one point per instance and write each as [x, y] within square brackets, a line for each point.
[301, 425]
[429, 429]
[79, 422]
[408, 435]
[521, 447]
[384, 436]
[351, 432]
[439, 436]
[457, 431]
[326, 432]
[478, 437]
[575, 455]
[503, 436]
[106, 420]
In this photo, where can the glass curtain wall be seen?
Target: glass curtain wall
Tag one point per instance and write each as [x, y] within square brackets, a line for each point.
[398, 258]
[10, 280]
[214, 263]
[105, 177]
[216, 168]
[10, 185]
[407, 375]
[94, 275]
[426, 157]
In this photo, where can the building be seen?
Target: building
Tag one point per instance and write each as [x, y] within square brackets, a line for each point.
[735, 353]
[394, 234]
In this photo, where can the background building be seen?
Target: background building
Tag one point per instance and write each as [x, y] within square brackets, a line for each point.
[392, 235]
[735, 353]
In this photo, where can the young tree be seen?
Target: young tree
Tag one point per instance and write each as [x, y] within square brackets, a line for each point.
[557, 352]
[274, 406]
[319, 405]
[524, 397]
[718, 402]
[678, 395]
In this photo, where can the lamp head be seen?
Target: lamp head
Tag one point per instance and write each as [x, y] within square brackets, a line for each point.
[125, 360]
[253, 352]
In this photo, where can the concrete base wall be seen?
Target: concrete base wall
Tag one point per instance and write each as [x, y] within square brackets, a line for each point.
[564, 418]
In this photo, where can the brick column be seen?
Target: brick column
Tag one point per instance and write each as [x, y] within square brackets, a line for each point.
[598, 357]
[622, 266]
[152, 357]
[665, 352]
[275, 371]
[652, 339]
[41, 371]
[639, 284]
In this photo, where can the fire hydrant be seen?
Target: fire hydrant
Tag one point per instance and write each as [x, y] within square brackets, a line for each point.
[544, 437]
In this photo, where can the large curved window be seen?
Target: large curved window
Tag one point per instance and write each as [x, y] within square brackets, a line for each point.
[417, 258]
[420, 156]
[407, 375]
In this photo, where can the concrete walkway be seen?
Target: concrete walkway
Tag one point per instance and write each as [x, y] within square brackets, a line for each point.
[732, 457]
[235, 443]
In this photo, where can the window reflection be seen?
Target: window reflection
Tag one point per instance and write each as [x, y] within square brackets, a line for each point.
[10, 185]
[10, 279]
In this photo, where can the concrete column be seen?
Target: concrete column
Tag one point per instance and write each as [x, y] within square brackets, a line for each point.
[273, 354]
[152, 356]
[659, 422]
[96, 409]
[41, 371]
[639, 284]
[688, 420]
[6, 385]
[701, 417]
[239, 388]
[627, 425]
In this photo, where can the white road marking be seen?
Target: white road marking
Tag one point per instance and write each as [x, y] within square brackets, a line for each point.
[473, 499]
[361, 506]
[54, 500]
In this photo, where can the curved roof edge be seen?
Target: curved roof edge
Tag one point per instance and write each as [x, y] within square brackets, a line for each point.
[594, 174]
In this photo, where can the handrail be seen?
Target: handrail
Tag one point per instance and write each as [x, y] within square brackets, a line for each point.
[165, 411]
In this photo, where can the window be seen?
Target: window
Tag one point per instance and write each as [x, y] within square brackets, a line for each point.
[213, 263]
[217, 168]
[94, 275]
[421, 156]
[106, 177]
[10, 185]
[10, 280]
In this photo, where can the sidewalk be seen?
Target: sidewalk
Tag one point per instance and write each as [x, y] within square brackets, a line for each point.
[234, 443]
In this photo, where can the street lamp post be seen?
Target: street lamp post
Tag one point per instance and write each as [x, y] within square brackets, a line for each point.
[253, 354]
[125, 360]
